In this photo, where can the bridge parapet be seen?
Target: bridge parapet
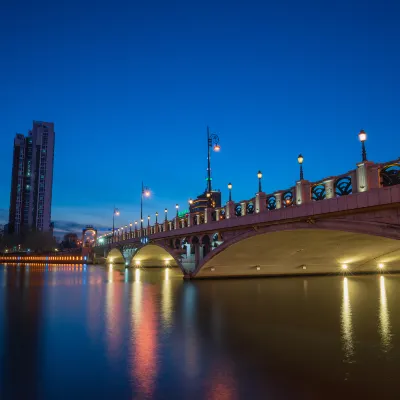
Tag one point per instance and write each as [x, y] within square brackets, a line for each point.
[305, 198]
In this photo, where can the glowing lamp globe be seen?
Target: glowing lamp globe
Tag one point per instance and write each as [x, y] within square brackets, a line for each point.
[300, 159]
[362, 136]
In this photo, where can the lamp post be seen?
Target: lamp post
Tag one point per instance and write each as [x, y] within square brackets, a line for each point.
[115, 213]
[177, 208]
[230, 191]
[148, 221]
[363, 137]
[259, 176]
[190, 201]
[212, 139]
[300, 160]
[209, 201]
[145, 192]
[166, 215]
[156, 217]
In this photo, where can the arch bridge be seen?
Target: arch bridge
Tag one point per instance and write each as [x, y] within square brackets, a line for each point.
[349, 222]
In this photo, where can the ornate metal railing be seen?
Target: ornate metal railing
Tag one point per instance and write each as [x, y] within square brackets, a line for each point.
[287, 198]
[390, 175]
[318, 192]
[271, 203]
[377, 175]
[238, 210]
[250, 207]
[343, 186]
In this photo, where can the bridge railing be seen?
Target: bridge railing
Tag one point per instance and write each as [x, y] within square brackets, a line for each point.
[365, 177]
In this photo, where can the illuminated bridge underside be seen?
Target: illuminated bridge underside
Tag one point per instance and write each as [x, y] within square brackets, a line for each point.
[287, 252]
[153, 256]
[115, 257]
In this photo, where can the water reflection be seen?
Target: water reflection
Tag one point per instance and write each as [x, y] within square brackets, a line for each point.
[114, 313]
[223, 385]
[191, 345]
[305, 287]
[346, 324]
[166, 302]
[384, 318]
[141, 334]
[143, 341]
[23, 308]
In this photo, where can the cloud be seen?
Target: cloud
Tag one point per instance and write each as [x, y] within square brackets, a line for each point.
[63, 227]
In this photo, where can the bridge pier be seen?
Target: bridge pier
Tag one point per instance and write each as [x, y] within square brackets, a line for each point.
[128, 255]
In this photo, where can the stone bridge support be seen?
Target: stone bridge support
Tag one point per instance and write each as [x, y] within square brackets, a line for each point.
[128, 255]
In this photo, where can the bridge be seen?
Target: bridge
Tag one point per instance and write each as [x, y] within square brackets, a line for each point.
[348, 223]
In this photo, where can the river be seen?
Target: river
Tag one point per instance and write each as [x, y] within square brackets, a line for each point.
[70, 332]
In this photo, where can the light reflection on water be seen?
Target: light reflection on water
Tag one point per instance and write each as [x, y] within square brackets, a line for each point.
[384, 317]
[140, 333]
[347, 325]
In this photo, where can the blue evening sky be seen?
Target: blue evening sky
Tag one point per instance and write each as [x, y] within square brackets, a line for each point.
[131, 87]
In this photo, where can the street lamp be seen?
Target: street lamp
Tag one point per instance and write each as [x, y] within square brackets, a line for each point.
[230, 191]
[146, 193]
[363, 137]
[259, 176]
[166, 214]
[148, 220]
[300, 160]
[177, 208]
[156, 217]
[212, 140]
[115, 213]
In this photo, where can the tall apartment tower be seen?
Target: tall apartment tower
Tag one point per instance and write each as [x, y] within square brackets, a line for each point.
[32, 179]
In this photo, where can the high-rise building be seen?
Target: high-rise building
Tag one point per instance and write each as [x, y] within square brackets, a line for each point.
[32, 179]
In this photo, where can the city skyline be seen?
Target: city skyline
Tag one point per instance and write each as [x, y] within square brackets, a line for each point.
[271, 82]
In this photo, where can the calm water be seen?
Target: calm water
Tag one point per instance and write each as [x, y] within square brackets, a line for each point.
[72, 333]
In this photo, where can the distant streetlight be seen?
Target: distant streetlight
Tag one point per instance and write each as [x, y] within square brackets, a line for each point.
[156, 217]
[177, 208]
[146, 193]
[259, 176]
[300, 160]
[363, 137]
[115, 214]
[230, 191]
[166, 214]
[148, 220]
[212, 139]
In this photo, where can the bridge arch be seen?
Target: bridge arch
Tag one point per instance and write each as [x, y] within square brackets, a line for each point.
[156, 255]
[322, 246]
[115, 256]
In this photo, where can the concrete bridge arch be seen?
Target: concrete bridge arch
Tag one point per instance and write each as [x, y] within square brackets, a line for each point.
[308, 247]
[115, 256]
[155, 255]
